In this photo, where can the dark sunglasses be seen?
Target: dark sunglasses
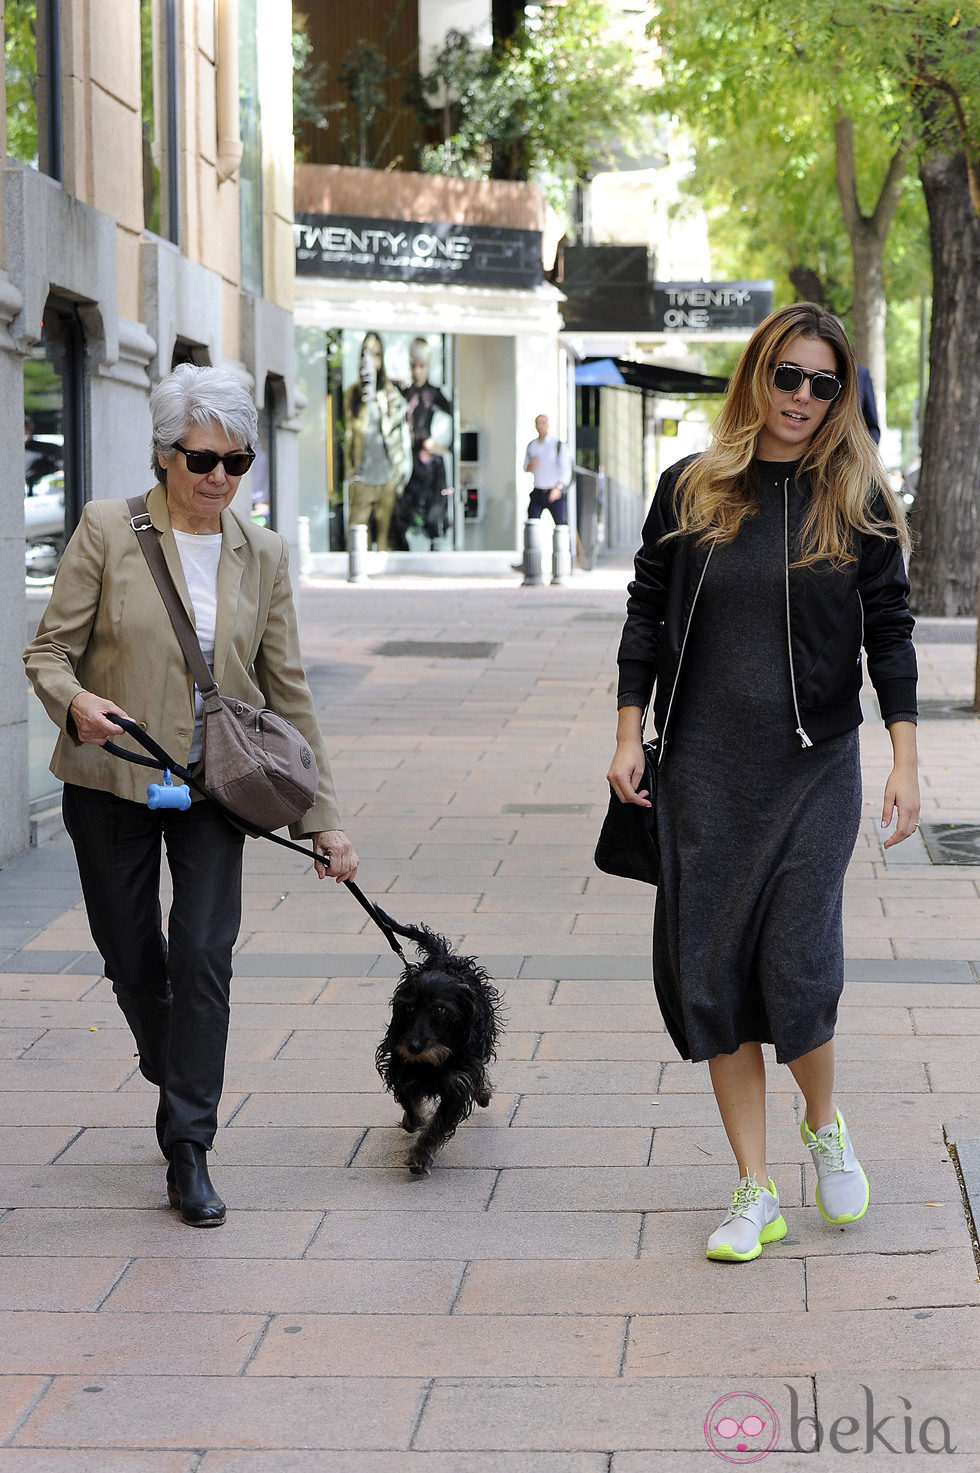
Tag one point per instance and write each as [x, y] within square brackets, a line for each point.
[202, 462]
[787, 377]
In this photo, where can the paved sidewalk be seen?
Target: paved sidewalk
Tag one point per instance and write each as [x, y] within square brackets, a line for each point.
[541, 1303]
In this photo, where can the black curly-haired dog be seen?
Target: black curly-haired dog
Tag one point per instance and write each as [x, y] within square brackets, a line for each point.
[445, 1020]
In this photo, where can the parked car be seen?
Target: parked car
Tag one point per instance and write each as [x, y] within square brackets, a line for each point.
[44, 526]
[43, 455]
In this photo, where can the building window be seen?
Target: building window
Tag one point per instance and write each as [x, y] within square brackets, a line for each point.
[56, 482]
[262, 476]
[321, 438]
[158, 66]
[250, 171]
[587, 426]
[188, 352]
[55, 440]
[32, 45]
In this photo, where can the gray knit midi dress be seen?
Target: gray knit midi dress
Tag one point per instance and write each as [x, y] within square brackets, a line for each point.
[756, 831]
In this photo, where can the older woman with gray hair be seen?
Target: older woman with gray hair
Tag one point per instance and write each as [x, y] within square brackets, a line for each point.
[105, 645]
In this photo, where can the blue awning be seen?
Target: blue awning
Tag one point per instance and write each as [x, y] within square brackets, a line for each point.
[598, 373]
[658, 378]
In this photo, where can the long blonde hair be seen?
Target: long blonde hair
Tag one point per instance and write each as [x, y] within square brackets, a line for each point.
[717, 493]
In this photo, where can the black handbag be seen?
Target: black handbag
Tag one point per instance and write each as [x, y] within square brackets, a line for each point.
[628, 844]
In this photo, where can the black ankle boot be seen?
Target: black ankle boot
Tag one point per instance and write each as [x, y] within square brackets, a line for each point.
[189, 1186]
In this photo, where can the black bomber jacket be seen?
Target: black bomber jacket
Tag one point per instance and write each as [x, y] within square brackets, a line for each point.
[832, 613]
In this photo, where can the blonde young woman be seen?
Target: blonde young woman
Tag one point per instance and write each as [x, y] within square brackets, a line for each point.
[766, 564]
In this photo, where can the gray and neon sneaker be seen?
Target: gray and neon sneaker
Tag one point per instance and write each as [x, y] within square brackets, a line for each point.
[754, 1218]
[842, 1187]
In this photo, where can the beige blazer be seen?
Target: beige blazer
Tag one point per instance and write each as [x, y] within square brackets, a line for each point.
[106, 630]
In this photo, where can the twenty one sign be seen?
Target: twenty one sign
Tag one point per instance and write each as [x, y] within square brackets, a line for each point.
[410, 250]
[710, 306]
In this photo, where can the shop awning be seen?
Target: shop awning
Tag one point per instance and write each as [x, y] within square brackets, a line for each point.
[598, 373]
[656, 377]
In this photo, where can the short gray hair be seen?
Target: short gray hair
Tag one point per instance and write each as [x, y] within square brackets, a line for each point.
[192, 395]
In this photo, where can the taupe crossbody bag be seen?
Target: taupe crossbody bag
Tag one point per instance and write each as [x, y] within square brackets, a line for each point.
[256, 763]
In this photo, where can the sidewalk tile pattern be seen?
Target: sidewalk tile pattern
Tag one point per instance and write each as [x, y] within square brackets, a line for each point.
[541, 1303]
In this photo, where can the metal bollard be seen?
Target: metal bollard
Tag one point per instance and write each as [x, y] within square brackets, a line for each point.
[532, 553]
[561, 555]
[357, 535]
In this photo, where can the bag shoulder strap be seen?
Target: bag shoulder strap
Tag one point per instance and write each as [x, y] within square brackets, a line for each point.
[190, 645]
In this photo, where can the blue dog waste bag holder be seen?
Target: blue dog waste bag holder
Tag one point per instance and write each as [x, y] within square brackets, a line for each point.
[167, 794]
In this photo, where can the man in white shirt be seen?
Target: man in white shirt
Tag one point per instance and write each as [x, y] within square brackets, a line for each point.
[548, 461]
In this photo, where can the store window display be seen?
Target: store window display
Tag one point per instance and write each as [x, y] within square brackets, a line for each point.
[378, 436]
[377, 444]
[426, 504]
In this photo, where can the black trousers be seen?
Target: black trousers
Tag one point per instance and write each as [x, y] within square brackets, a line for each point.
[174, 994]
[539, 502]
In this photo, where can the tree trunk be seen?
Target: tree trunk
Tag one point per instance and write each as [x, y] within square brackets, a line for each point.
[510, 160]
[867, 234]
[870, 309]
[808, 285]
[944, 570]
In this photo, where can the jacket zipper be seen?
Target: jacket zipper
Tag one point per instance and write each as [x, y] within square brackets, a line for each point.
[804, 739]
[680, 658]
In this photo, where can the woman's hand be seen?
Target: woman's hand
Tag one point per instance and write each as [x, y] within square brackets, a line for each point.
[87, 711]
[338, 851]
[629, 763]
[626, 772]
[901, 798]
[902, 787]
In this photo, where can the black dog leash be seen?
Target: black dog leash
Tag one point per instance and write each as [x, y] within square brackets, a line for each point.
[162, 760]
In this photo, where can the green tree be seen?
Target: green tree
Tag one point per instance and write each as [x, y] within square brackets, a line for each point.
[910, 70]
[777, 214]
[365, 74]
[772, 87]
[554, 101]
[20, 47]
[309, 79]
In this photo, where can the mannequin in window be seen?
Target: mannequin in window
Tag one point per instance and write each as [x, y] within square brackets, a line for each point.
[377, 447]
[424, 504]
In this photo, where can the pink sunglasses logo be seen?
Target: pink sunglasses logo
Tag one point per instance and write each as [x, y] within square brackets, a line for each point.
[741, 1428]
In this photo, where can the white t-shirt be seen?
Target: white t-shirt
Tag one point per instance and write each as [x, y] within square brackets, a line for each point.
[199, 558]
[552, 468]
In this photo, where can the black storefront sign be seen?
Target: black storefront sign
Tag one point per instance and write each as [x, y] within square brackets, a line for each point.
[710, 306]
[412, 250]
